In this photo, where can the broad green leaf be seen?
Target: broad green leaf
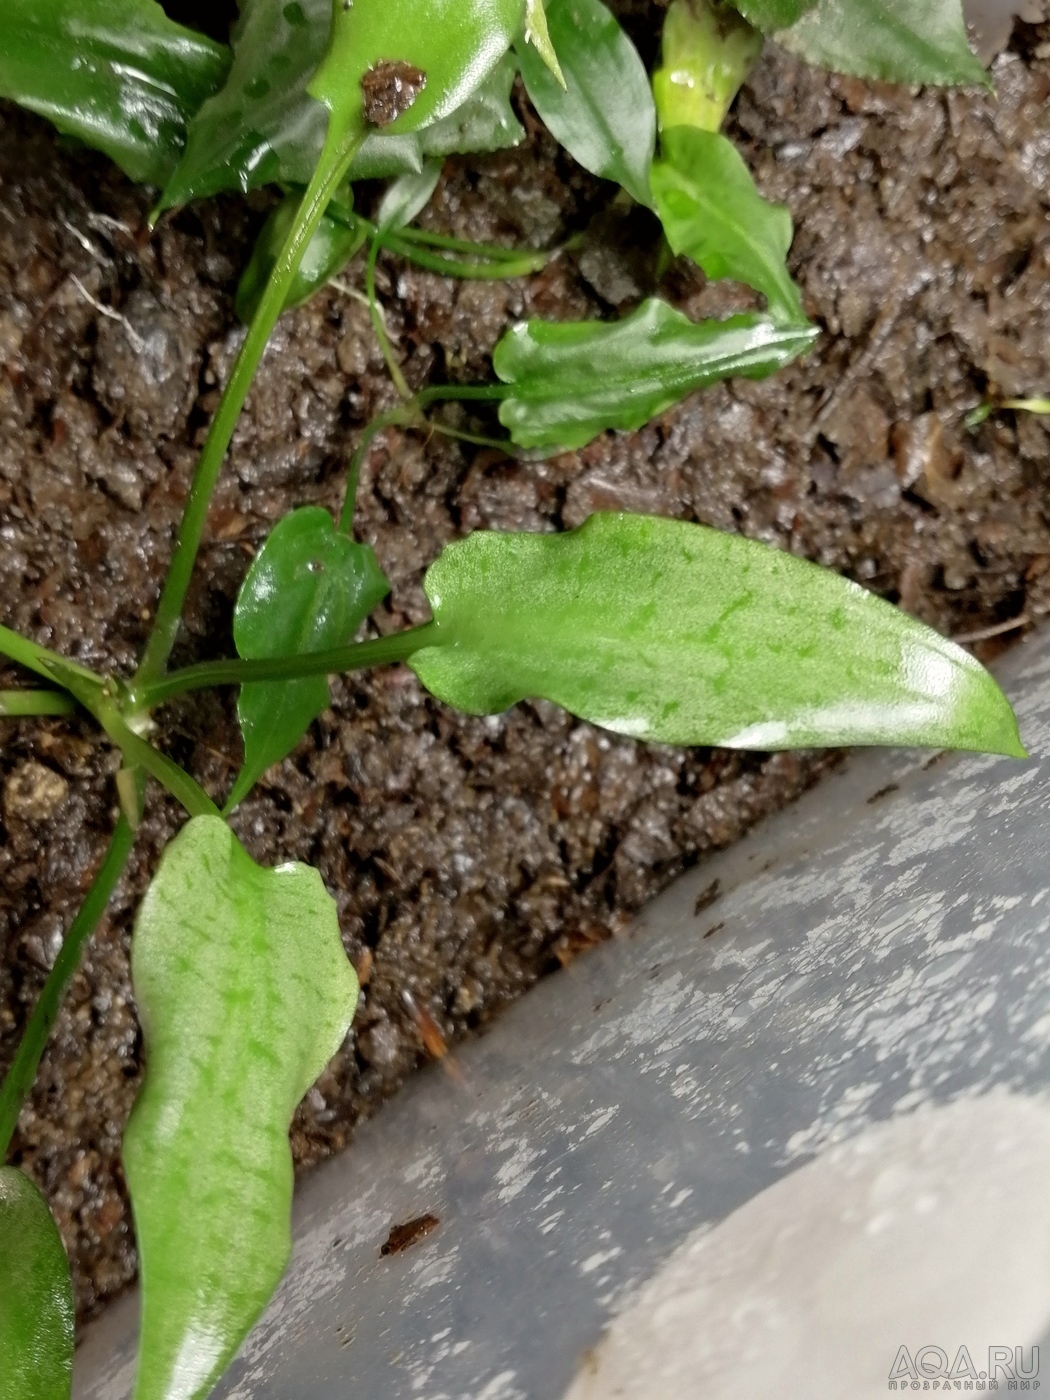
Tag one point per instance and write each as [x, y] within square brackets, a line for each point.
[309, 589]
[407, 196]
[770, 15]
[897, 41]
[604, 115]
[707, 51]
[570, 380]
[117, 74]
[244, 993]
[36, 1296]
[711, 211]
[262, 124]
[538, 35]
[673, 632]
[485, 122]
[334, 243]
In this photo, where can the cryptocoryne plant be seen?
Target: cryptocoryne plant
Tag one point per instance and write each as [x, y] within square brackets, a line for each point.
[654, 628]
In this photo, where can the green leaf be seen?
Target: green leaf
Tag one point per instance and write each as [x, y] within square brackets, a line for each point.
[36, 1296]
[485, 122]
[244, 993]
[538, 35]
[263, 126]
[334, 243]
[407, 197]
[711, 210]
[896, 41]
[116, 74]
[570, 380]
[770, 15]
[673, 632]
[604, 116]
[308, 589]
[707, 51]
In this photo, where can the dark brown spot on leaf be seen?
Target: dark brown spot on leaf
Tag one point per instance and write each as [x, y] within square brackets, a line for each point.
[403, 1236]
[390, 89]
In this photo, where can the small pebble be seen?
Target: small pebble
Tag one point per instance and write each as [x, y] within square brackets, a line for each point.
[34, 793]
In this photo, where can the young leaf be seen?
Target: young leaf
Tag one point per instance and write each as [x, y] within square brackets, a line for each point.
[604, 114]
[334, 243]
[711, 211]
[571, 380]
[770, 15]
[308, 589]
[407, 196]
[244, 993]
[897, 41]
[707, 51]
[673, 632]
[538, 35]
[485, 122]
[262, 127]
[36, 1296]
[117, 74]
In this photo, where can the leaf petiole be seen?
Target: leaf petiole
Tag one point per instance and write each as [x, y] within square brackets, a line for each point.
[17, 703]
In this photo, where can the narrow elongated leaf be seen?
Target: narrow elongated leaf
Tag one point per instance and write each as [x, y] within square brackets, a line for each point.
[770, 15]
[244, 993]
[604, 115]
[485, 122]
[711, 211]
[334, 243]
[308, 589]
[897, 41]
[407, 196]
[673, 632]
[117, 74]
[538, 35]
[263, 124]
[36, 1296]
[571, 380]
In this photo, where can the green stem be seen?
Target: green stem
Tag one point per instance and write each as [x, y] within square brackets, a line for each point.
[39, 659]
[19, 1079]
[383, 651]
[140, 754]
[462, 393]
[15, 703]
[479, 271]
[335, 159]
[396, 417]
[492, 251]
[400, 382]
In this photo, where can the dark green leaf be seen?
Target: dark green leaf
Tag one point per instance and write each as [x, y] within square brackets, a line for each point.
[673, 632]
[36, 1296]
[711, 211]
[485, 122]
[604, 116]
[333, 245]
[117, 74]
[707, 50]
[244, 993]
[897, 41]
[570, 380]
[770, 15]
[407, 197]
[262, 127]
[308, 589]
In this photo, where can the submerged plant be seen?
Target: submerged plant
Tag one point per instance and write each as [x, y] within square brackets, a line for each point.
[653, 628]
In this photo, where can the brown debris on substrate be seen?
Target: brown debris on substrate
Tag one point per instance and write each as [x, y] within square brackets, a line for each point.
[470, 856]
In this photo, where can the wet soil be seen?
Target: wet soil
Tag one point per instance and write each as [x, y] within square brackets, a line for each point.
[469, 857]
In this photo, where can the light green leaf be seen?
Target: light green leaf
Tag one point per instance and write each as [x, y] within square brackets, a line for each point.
[117, 74]
[36, 1296]
[673, 632]
[244, 993]
[711, 211]
[485, 122]
[262, 127]
[309, 589]
[604, 115]
[407, 196]
[538, 35]
[570, 380]
[707, 51]
[896, 41]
